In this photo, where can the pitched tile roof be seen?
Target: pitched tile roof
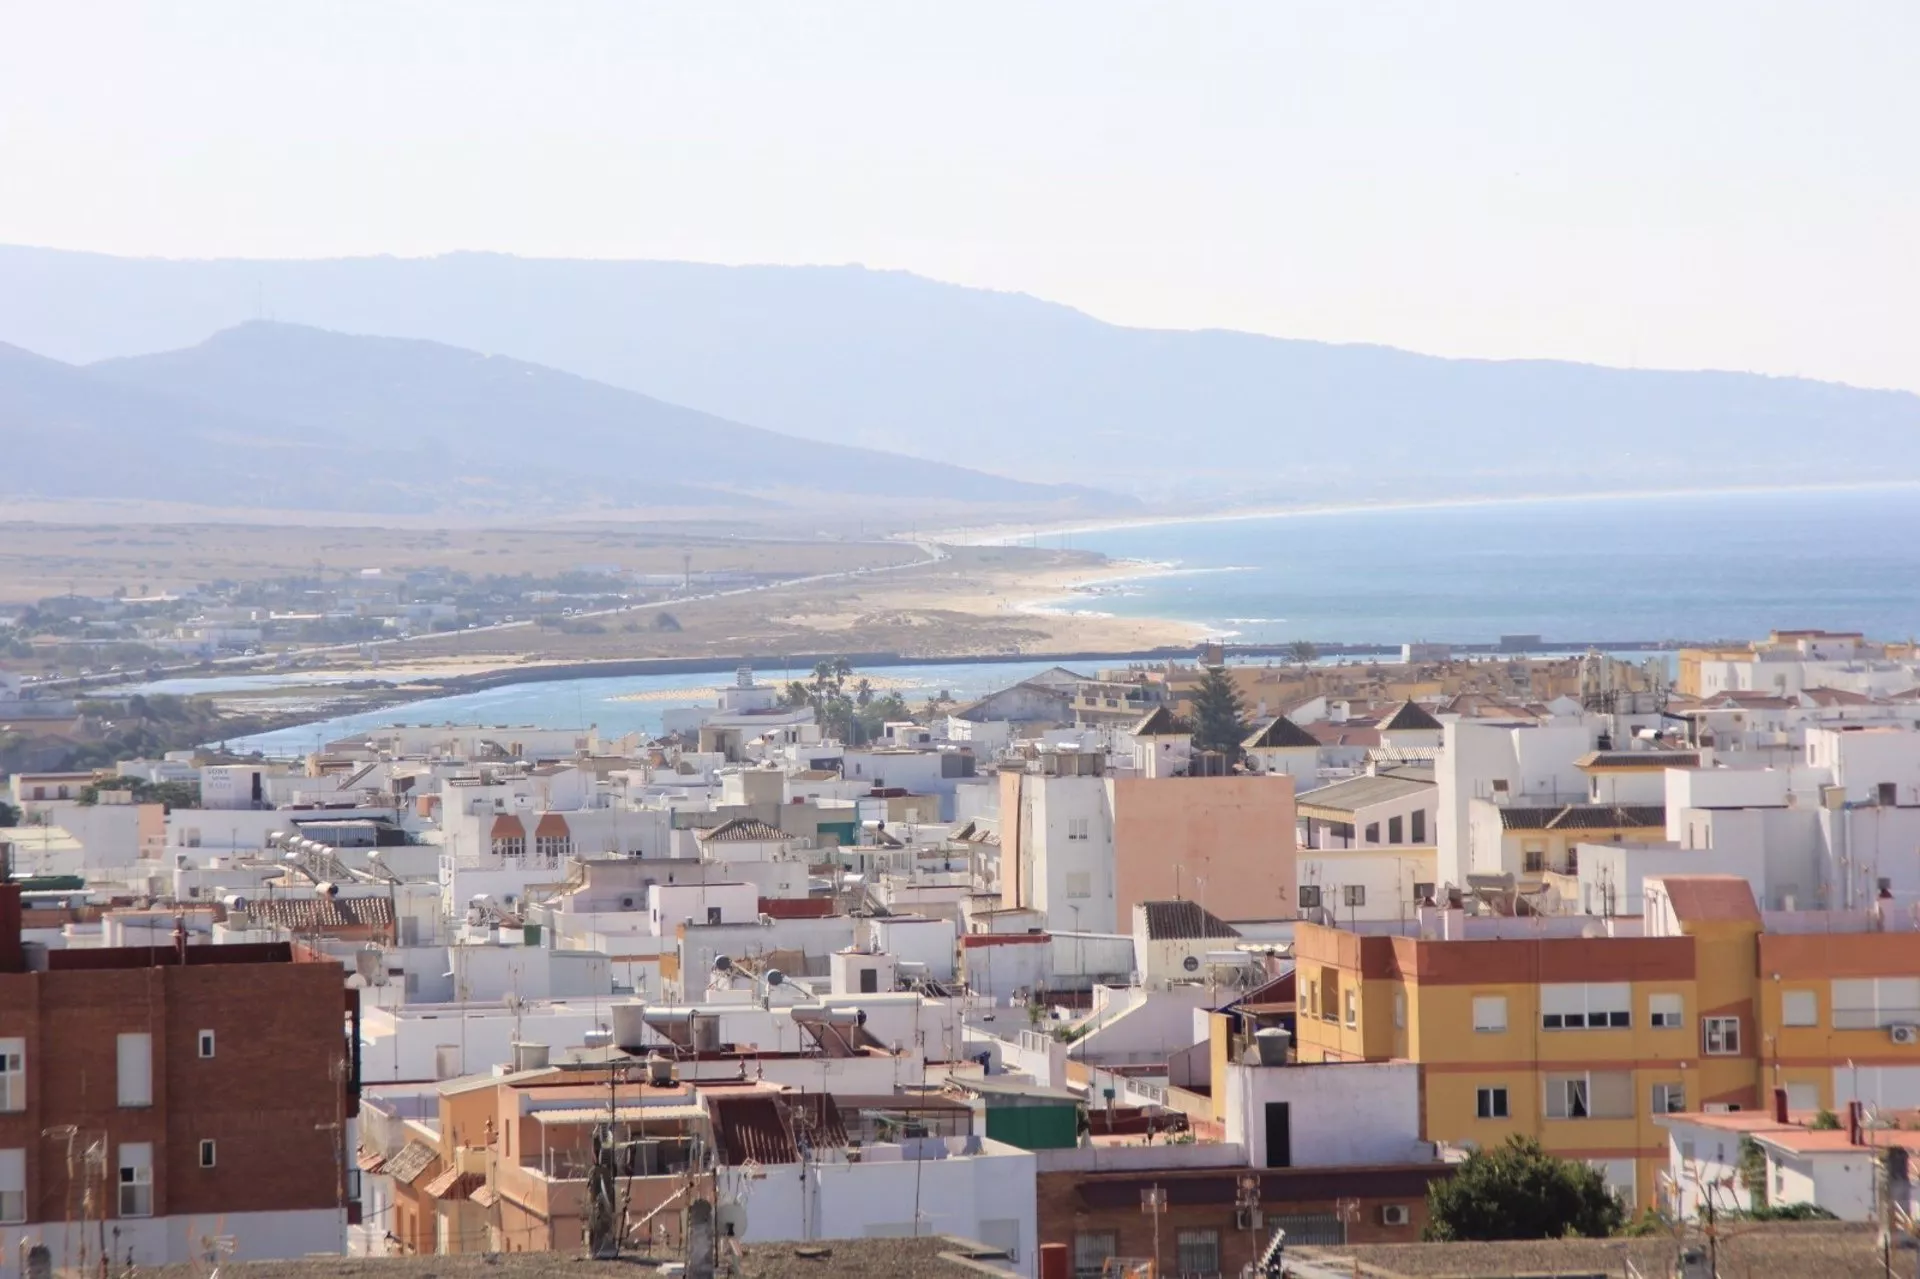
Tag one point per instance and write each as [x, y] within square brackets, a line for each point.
[454, 1184]
[1279, 733]
[740, 830]
[415, 1159]
[1638, 759]
[1161, 722]
[1701, 898]
[1583, 817]
[1357, 793]
[753, 1126]
[312, 914]
[1184, 921]
[1410, 716]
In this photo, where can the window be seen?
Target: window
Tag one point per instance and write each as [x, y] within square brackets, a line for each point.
[1419, 824]
[1669, 1099]
[1887, 794]
[1353, 1008]
[1723, 1036]
[1396, 831]
[553, 847]
[1399, 1010]
[13, 1074]
[136, 1070]
[1079, 883]
[1197, 1252]
[1590, 1095]
[1309, 897]
[1492, 1103]
[1077, 828]
[1490, 1013]
[206, 1043]
[206, 1154]
[1586, 1006]
[1779, 1180]
[1091, 1251]
[1664, 1012]
[1354, 894]
[1373, 832]
[1567, 1097]
[1799, 1008]
[136, 1179]
[13, 1186]
[1533, 858]
[713, 915]
[1867, 1003]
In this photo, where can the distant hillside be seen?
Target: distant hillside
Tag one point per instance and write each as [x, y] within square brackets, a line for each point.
[268, 414]
[1007, 383]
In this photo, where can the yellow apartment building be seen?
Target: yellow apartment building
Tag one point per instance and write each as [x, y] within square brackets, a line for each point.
[1579, 1031]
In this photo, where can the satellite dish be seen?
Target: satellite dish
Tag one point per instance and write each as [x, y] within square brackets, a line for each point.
[775, 976]
[730, 1219]
[1191, 963]
[722, 964]
[860, 1017]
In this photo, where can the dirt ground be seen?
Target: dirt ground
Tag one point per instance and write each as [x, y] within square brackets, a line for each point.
[38, 560]
[978, 600]
[1775, 1251]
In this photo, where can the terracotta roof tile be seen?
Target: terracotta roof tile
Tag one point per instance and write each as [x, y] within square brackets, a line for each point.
[1184, 921]
[1703, 898]
[318, 914]
[740, 830]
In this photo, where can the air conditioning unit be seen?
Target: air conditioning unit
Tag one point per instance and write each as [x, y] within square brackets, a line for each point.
[1905, 1035]
[1248, 1219]
[1393, 1215]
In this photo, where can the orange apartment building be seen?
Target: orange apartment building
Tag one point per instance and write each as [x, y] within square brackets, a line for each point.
[1524, 1025]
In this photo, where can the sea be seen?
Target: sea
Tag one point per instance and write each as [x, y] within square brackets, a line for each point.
[1575, 571]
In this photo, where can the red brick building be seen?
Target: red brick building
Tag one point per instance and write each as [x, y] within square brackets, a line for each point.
[168, 1094]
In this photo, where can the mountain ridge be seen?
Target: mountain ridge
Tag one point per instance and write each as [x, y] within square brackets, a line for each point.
[410, 423]
[1010, 382]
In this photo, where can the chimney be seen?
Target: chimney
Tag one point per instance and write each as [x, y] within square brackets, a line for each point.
[1780, 1105]
[1853, 1123]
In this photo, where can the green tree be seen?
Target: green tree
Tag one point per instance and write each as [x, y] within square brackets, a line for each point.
[1219, 716]
[1518, 1191]
[1303, 652]
[9, 815]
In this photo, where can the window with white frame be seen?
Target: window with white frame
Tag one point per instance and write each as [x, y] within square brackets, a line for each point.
[1491, 1103]
[1399, 1010]
[1078, 828]
[1197, 1252]
[206, 1154]
[13, 1186]
[136, 1179]
[1354, 894]
[1868, 1003]
[1665, 1012]
[1799, 1008]
[1309, 897]
[1586, 1005]
[13, 1074]
[206, 1044]
[1353, 1008]
[1669, 1099]
[1721, 1036]
[1490, 1013]
[136, 1069]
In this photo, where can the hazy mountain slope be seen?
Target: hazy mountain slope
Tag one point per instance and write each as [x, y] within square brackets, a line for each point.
[283, 415]
[1008, 383]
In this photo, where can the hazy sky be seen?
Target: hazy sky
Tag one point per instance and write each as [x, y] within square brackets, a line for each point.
[1732, 184]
